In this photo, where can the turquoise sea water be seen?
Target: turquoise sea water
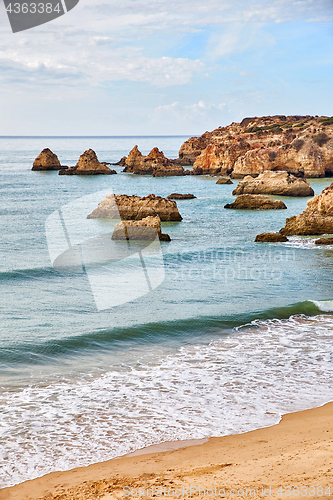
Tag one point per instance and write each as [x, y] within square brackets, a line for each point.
[230, 335]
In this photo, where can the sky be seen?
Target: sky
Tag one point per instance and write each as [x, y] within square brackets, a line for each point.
[165, 67]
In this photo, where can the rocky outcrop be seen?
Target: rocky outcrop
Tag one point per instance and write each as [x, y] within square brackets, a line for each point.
[224, 180]
[148, 228]
[301, 145]
[256, 202]
[178, 196]
[276, 183]
[208, 162]
[46, 160]
[155, 163]
[270, 237]
[120, 163]
[317, 218]
[135, 208]
[88, 164]
[324, 241]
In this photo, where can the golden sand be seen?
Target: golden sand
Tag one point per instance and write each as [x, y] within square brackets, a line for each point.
[293, 459]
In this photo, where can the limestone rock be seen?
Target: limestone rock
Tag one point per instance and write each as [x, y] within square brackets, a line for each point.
[224, 180]
[147, 228]
[88, 164]
[121, 162]
[277, 183]
[270, 237]
[46, 160]
[301, 145]
[155, 163]
[208, 162]
[178, 196]
[256, 202]
[136, 208]
[324, 241]
[317, 218]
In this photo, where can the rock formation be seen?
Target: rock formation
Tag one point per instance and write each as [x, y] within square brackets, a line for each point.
[145, 229]
[324, 241]
[277, 183]
[88, 164]
[155, 163]
[301, 145]
[224, 180]
[178, 196]
[270, 237]
[317, 218]
[255, 202]
[136, 208]
[46, 160]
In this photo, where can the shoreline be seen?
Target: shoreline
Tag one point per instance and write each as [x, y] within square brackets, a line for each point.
[296, 452]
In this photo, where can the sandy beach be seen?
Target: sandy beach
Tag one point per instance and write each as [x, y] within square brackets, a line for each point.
[291, 459]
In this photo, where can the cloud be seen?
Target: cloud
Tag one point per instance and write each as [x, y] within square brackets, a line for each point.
[98, 42]
[86, 64]
[190, 113]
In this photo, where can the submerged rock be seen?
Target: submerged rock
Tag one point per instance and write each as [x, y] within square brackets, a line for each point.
[178, 196]
[88, 164]
[145, 229]
[256, 202]
[276, 183]
[136, 208]
[46, 160]
[224, 180]
[270, 237]
[317, 218]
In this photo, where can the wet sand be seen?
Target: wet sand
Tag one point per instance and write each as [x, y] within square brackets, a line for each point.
[293, 459]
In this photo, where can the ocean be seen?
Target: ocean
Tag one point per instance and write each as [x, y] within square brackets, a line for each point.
[228, 336]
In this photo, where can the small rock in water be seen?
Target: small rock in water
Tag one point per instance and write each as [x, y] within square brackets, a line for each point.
[224, 180]
[324, 241]
[270, 237]
[178, 196]
[256, 202]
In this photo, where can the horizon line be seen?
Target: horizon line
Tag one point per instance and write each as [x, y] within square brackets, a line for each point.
[89, 136]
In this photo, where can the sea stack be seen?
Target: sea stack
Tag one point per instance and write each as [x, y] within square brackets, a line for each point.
[155, 164]
[47, 160]
[88, 164]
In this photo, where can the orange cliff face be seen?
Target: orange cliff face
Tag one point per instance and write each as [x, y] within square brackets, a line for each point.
[301, 145]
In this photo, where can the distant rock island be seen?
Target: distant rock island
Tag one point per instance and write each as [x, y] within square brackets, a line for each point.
[300, 145]
[88, 164]
[155, 164]
[47, 160]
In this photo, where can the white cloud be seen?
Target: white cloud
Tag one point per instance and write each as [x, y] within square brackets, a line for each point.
[98, 42]
[190, 112]
[95, 66]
